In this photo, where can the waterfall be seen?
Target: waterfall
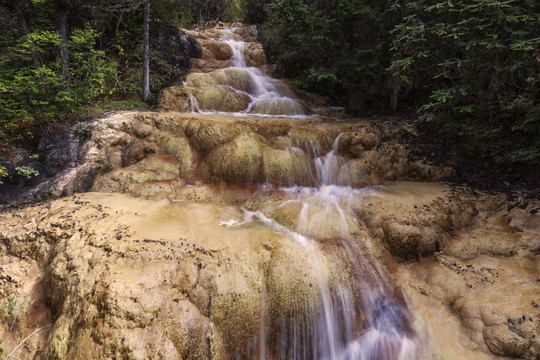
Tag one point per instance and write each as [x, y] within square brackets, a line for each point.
[361, 320]
[266, 96]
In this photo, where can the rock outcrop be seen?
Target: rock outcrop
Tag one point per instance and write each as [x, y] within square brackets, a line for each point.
[220, 236]
[108, 275]
[484, 281]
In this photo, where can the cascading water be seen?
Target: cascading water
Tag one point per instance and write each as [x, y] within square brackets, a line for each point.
[365, 318]
[266, 96]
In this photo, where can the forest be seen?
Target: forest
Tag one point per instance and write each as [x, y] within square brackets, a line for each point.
[467, 72]
[270, 179]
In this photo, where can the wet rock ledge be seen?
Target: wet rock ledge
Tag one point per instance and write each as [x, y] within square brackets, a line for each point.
[108, 275]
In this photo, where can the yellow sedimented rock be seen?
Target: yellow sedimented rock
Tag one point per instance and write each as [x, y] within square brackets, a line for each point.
[237, 161]
[280, 106]
[151, 175]
[361, 174]
[302, 287]
[175, 98]
[221, 98]
[180, 148]
[254, 55]
[239, 79]
[207, 134]
[214, 49]
[284, 168]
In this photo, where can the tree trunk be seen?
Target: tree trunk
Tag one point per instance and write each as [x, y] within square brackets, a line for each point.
[395, 92]
[146, 50]
[117, 29]
[63, 47]
[24, 28]
[355, 102]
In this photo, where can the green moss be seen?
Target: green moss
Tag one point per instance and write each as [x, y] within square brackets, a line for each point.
[284, 106]
[221, 99]
[180, 148]
[101, 108]
[284, 168]
[59, 339]
[236, 161]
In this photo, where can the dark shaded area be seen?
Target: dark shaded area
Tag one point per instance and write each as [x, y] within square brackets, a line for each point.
[484, 176]
[173, 49]
[175, 46]
[58, 152]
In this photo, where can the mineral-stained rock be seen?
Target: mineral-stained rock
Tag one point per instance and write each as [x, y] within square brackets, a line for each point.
[123, 139]
[285, 168]
[237, 161]
[207, 261]
[133, 278]
[480, 288]
[221, 98]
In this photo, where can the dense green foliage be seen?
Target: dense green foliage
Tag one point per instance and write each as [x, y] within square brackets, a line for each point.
[334, 47]
[29, 92]
[34, 91]
[470, 68]
[253, 11]
[474, 66]
[104, 45]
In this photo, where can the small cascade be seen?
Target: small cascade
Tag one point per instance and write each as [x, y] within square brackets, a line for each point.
[252, 91]
[361, 317]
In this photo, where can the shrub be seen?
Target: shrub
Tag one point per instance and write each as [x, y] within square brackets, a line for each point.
[475, 67]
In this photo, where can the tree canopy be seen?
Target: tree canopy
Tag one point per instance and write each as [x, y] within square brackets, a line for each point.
[474, 68]
[469, 71]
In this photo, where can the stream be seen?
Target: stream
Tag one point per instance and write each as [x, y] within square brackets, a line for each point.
[364, 318]
[245, 220]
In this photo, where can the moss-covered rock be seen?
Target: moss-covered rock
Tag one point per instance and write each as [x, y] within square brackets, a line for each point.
[280, 106]
[221, 98]
[285, 168]
[175, 98]
[237, 78]
[308, 135]
[237, 161]
[214, 49]
[207, 134]
[180, 148]
[294, 263]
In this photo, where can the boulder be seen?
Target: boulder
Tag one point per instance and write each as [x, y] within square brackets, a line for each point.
[285, 168]
[221, 98]
[175, 98]
[175, 45]
[238, 161]
[248, 33]
[215, 50]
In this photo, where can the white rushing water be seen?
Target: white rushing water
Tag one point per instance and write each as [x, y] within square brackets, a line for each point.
[267, 96]
[375, 325]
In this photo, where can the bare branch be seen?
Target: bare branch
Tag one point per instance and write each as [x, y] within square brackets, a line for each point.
[26, 338]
